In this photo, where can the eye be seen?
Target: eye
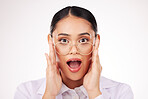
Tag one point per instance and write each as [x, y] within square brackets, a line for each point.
[64, 41]
[83, 40]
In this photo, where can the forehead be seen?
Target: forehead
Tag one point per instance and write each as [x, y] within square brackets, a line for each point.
[73, 26]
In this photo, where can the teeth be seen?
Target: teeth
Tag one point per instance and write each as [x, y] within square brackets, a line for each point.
[74, 60]
[74, 64]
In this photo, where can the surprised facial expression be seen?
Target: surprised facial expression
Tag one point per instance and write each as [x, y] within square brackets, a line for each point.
[73, 38]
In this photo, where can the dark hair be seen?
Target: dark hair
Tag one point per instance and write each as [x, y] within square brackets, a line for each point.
[75, 11]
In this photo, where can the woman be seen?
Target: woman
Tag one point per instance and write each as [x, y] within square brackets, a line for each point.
[73, 66]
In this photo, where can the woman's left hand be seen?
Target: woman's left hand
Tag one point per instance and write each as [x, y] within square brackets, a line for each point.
[91, 80]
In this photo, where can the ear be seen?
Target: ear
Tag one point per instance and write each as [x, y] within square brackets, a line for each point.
[98, 37]
[48, 37]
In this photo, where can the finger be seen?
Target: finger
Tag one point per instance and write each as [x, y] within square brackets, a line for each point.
[95, 51]
[48, 60]
[90, 67]
[101, 68]
[50, 67]
[98, 63]
[57, 68]
[51, 51]
[95, 56]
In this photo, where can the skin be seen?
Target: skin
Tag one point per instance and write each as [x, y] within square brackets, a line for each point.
[88, 75]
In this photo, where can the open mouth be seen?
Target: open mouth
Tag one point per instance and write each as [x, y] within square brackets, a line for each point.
[74, 64]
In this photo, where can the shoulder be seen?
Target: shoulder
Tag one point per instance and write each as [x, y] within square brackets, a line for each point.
[115, 89]
[31, 85]
[29, 88]
[108, 83]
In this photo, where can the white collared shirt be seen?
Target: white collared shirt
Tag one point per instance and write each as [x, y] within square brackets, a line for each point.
[109, 88]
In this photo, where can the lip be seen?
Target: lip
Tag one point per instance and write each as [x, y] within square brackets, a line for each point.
[76, 69]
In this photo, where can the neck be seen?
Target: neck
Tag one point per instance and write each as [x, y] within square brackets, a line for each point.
[71, 83]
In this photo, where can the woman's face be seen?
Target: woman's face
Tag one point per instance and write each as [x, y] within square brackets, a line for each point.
[73, 30]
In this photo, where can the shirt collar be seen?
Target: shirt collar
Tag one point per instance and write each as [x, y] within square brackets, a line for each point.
[104, 83]
[65, 88]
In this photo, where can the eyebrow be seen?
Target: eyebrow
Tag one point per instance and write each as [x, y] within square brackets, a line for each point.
[65, 34]
[84, 34]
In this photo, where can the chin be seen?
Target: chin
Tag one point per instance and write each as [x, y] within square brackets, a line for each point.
[75, 77]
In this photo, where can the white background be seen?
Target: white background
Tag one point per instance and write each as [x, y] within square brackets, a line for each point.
[122, 25]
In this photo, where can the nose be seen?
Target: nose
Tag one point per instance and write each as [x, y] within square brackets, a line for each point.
[73, 49]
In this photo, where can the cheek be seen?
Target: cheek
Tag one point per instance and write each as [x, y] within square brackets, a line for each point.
[88, 57]
[87, 61]
[60, 59]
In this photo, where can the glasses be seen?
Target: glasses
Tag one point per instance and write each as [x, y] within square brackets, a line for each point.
[83, 47]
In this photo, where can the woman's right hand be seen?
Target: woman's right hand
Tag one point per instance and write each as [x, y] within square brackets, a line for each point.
[53, 78]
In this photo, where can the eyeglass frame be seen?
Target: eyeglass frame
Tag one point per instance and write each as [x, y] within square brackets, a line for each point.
[93, 44]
